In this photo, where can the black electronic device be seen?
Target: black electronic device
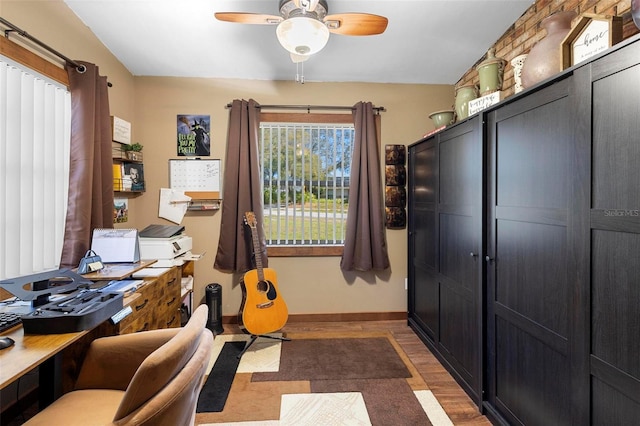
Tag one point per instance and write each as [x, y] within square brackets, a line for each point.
[161, 231]
[9, 320]
[77, 306]
[6, 342]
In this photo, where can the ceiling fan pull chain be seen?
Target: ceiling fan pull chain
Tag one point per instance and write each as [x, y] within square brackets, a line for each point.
[299, 76]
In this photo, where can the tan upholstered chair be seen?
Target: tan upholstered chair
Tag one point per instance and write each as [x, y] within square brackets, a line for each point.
[147, 378]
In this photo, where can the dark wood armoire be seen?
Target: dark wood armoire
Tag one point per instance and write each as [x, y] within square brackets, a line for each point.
[524, 248]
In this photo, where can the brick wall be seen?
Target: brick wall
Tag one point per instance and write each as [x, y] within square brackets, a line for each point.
[526, 31]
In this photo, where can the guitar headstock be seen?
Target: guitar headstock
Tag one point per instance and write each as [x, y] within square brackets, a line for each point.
[250, 219]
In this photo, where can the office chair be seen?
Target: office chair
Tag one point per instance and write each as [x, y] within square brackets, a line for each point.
[147, 378]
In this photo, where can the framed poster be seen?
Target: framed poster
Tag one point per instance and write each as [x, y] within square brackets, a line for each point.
[194, 135]
[591, 35]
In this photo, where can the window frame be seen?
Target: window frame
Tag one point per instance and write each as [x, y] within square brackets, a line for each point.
[306, 117]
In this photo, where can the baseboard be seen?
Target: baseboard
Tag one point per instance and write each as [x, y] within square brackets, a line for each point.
[339, 317]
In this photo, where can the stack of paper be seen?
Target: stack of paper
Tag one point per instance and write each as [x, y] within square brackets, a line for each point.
[122, 286]
[150, 272]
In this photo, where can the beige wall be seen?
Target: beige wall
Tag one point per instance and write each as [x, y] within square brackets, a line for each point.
[308, 285]
[54, 24]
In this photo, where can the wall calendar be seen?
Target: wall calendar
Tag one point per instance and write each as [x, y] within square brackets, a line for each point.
[194, 175]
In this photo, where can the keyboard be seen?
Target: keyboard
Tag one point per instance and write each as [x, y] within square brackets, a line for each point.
[8, 320]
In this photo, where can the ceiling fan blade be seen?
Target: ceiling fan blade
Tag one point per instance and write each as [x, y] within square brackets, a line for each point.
[356, 24]
[248, 18]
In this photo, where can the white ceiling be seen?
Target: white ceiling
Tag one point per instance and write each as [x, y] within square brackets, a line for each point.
[426, 41]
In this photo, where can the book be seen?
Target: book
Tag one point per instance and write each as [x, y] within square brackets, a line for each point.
[133, 174]
[117, 177]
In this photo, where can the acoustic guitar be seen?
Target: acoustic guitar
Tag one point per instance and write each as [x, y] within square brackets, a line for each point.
[263, 310]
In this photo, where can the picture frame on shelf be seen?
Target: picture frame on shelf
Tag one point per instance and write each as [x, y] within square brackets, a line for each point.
[133, 177]
[590, 35]
[120, 130]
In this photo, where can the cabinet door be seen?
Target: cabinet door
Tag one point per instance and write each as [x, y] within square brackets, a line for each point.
[614, 356]
[445, 244]
[423, 280]
[460, 218]
[529, 297]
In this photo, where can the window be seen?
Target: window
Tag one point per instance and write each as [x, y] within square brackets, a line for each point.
[35, 123]
[305, 160]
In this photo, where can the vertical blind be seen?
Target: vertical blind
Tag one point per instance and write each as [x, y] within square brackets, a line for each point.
[305, 170]
[35, 123]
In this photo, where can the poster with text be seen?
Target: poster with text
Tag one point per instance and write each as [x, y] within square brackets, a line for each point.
[194, 135]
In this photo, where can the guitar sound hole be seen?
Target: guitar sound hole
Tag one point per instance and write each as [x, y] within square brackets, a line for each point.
[269, 288]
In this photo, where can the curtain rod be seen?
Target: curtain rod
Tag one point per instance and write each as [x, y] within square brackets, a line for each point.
[310, 107]
[79, 67]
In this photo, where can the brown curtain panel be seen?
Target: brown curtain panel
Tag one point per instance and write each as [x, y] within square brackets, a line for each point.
[91, 171]
[365, 245]
[241, 191]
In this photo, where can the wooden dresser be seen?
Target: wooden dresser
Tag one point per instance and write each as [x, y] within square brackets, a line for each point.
[155, 305]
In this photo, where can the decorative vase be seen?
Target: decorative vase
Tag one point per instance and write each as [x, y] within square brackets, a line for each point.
[517, 63]
[544, 59]
[491, 72]
[464, 94]
[635, 12]
[442, 118]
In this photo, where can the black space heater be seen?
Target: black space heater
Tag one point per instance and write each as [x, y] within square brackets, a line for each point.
[214, 302]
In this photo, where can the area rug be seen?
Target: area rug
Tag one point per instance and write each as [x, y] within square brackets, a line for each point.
[216, 388]
[337, 359]
[325, 379]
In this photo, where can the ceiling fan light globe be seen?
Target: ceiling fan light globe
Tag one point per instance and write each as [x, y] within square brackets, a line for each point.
[302, 35]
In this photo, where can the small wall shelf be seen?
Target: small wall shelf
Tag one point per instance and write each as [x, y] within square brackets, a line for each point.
[203, 200]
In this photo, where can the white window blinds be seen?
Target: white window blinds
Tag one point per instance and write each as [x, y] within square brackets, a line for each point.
[35, 123]
[305, 170]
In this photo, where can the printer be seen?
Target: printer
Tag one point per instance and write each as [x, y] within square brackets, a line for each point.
[165, 243]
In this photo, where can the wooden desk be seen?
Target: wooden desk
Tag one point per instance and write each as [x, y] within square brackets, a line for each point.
[59, 356]
[118, 271]
[32, 350]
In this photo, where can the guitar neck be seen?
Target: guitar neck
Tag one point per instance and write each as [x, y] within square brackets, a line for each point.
[257, 252]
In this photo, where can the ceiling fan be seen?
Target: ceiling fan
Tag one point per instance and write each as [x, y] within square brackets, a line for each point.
[304, 26]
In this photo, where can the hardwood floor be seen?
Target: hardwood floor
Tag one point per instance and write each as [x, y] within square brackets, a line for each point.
[458, 406]
[453, 399]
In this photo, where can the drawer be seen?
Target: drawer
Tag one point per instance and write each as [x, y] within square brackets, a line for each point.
[157, 306]
[142, 306]
[168, 313]
[139, 324]
[169, 283]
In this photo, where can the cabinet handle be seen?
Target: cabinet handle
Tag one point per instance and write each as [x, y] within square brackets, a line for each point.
[488, 259]
[472, 254]
[171, 321]
[138, 307]
[170, 302]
